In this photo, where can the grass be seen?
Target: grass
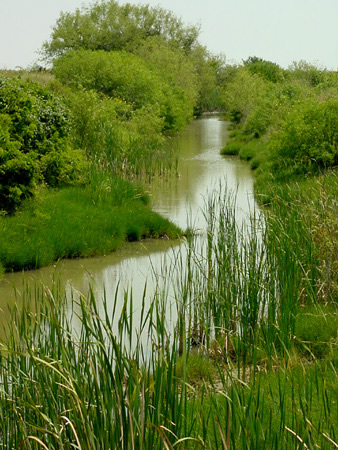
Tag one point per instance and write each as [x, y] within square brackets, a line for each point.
[78, 222]
[244, 292]
[312, 199]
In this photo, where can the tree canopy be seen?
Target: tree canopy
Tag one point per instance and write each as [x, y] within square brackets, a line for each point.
[106, 25]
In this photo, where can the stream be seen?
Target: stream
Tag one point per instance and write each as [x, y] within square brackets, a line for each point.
[181, 199]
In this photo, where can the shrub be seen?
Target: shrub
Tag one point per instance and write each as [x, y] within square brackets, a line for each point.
[242, 94]
[18, 170]
[63, 168]
[307, 139]
[267, 69]
[130, 79]
[34, 142]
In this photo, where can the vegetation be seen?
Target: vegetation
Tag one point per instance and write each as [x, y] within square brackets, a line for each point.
[240, 350]
[286, 126]
[79, 221]
[35, 142]
[265, 349]
[108, 26]
[105, 106]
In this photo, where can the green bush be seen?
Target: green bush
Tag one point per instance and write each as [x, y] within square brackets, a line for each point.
[242, 93]
[267, 69]
[63, 168]
[307, 139]
[129, 79]
[18, 170]
[34, 142]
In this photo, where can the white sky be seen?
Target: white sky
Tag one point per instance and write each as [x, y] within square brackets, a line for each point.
[281, 31]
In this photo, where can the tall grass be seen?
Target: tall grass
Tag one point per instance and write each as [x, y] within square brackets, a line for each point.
[108, 382]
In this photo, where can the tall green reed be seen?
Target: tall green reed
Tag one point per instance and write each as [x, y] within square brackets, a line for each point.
[105, 381]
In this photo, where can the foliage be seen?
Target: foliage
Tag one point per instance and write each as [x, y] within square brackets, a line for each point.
[307, 140]
[128, 78]
[309, 73]
[17, 169]
[34, 142]
[242, 93]
[144, 31]
[108, 26]
[207, 67]
[294, 116]
[114, 136]
[179, 72]
[267, 69]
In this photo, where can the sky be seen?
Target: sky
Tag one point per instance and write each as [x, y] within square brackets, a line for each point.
[281, 31]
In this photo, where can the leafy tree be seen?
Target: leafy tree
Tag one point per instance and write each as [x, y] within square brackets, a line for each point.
[106, 25]
[243, 92]
[268, 70]
[207, 67]
[179, 72]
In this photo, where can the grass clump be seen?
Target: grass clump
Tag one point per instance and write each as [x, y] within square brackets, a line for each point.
[316, 332]
[196, 369]
[78, 222]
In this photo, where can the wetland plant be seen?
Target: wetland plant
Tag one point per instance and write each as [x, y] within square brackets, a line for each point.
[220, 357]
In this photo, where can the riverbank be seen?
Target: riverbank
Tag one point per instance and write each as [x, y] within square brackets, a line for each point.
[285, 126]
[310, 198]
[79, 222]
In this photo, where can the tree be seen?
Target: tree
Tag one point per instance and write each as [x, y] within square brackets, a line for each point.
[106, 25]
[268, 70]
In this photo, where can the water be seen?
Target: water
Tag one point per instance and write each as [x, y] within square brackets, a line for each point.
[181, 199]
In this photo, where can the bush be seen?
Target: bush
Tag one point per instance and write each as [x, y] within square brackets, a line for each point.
[34, 142]
[307, 139]
[266, 69]
[18, 171]
[129, 79]
[63, 168]
[242, 94]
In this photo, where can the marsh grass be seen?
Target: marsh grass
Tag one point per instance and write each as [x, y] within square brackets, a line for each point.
[78, 222]
[108, 382]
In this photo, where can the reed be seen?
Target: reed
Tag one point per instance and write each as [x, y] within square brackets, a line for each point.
[224, 309]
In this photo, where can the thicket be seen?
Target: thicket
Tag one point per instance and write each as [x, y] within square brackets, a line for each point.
[293, 116]
[287, 127]
[126, 77]
[35, 142]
